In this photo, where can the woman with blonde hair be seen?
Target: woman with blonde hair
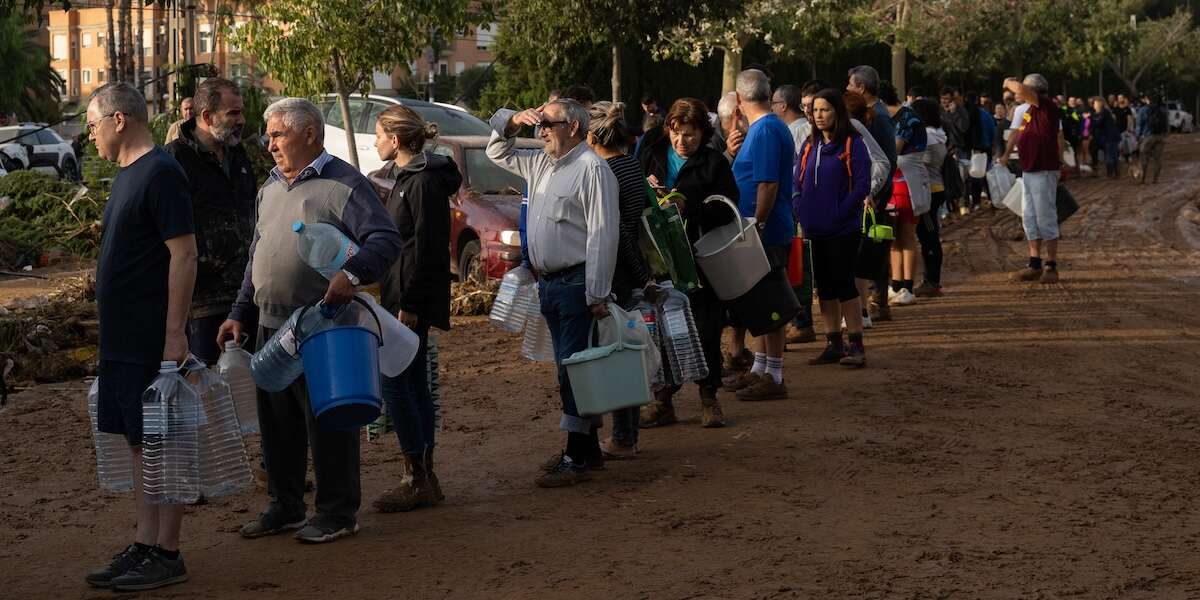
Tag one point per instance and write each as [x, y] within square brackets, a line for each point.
[416, 289]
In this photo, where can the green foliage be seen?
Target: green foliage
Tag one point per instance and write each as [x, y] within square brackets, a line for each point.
[470, 84]
[159, 125]
[47, 212]
[28, 86]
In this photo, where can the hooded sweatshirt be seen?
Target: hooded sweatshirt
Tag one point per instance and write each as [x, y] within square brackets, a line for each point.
[419, 282]
[828, 200]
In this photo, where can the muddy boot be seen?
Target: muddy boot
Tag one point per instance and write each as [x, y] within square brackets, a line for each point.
[740, 362]
[710, 409]
[659, 412]
[433, 478]
[834, 350]
[415, 489]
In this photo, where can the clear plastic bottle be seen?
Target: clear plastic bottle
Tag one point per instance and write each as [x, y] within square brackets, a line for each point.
[171, 418]
[323, 246]
[538, 345]
[277, 364]
[224, 468]
[680, 336]
[234, 367]
[114, 461]
[650, 316]
[508, 309]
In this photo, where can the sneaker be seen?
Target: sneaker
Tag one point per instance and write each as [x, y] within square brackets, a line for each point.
[656, 414]
[964, 210]
[904, 298]
[322, 531]
[1027, 274]
[272, 521]
[800, 335]
[764, 389]
[1049, 275]
[121, 563]
[741, 362]
[596, 464]
[828, 356]
[155, 571]
[928, 290]
[614, 451]
[892, 294]
[856, 357]
[565, 472]
[739, 382]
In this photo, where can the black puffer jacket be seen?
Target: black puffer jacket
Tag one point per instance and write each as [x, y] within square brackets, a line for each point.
[705, 173]
[419, 282]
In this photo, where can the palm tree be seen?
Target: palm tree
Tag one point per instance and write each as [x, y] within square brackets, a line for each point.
[112, 42]
[30, 87]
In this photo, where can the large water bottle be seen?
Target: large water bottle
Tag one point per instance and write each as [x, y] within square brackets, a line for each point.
[224, 468]
[114, 462]
[277, 364]
[508, 310]
[680, 337]
[650, 316]
[538, 345]
[171, 418]
[324, 247]
[234, 367]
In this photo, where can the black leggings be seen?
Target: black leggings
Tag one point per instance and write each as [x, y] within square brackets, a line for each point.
[929, 233]
[833, 267]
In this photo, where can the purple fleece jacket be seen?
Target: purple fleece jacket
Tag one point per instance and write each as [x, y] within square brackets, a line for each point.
[826, 200]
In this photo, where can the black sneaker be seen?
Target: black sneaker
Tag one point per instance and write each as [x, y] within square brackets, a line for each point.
[830, 355]
[271, 522]
[565, 473]
[323, 530]
[155, 571]
[121, 563]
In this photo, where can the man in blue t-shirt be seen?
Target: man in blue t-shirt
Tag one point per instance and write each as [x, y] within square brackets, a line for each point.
[763, 169]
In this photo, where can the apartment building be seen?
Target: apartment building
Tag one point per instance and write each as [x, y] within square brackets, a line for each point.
[474, 48]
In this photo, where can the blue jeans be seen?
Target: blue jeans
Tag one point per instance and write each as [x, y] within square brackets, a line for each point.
[564, 304]
[410, 403]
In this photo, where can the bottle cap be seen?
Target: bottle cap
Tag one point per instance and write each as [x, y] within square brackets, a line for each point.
[298, 226]
[231, 345]
[167, 366]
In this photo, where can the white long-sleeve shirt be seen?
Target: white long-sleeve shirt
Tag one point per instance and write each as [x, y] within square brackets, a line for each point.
[573, 214]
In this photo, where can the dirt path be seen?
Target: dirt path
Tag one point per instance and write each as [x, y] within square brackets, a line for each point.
[1007, 441]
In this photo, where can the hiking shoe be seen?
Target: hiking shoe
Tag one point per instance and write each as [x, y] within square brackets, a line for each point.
[1049, 275]
[322, 531]
[928, 290]
[1027, 274]
[155, 571]
[800, 335]
[272, 521]
[904, 298]
[121, 563]
[741, 362]
[565, 472]
[828, 356]
[595, 464]
[764, 389]
[614, 451]
[656, 414]
[738, 382]
[711, 415]
[415, 489]
[856, 357]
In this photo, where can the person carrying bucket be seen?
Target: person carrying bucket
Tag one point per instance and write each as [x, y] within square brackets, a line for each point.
[416, 290]
[311, 186]
[572, 229]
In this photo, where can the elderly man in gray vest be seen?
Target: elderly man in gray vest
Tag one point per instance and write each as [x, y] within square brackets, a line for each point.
[309, 185]
[572, 234]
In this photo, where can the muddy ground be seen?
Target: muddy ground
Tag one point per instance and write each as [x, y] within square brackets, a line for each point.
[1006, 441]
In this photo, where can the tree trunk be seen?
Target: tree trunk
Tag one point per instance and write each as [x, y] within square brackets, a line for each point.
[344, 103]
[141, 46]
[112, 42]
[899, 65]
[616, 72]
[126, 32]
[731, 65]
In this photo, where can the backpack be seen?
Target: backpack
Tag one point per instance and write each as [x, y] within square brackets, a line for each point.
[1158, 120]
[844, 157]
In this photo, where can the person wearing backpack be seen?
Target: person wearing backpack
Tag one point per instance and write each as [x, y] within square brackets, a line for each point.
[1150, 148]
[832, 183]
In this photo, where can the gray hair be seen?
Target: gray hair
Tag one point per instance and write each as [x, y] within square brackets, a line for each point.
[726, 106]
[867, 77]
[1037, 82]
[753, 86]
[573, 112]
[120, 97]
[296, 114]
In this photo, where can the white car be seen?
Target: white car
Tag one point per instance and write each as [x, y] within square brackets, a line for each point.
[1179, 119]
[36, 147]
[364, 111]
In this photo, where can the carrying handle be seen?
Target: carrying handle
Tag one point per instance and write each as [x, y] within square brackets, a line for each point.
[868, 211]
[300, 318]
[737, 214]
[594, 333]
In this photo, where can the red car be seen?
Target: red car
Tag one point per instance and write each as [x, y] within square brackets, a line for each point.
[484, 239]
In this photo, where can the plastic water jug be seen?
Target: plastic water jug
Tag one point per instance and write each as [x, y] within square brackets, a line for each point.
[114, 461]
[399, 342]
[234, 367]
[171, 418]
[224, 468]
[680, 336]
[979, 163]
[323, 246]
[650, 316]
[538, 345]
[508, 311]
[277, 364]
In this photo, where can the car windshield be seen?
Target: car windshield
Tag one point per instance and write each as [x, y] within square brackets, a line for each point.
[488, 178]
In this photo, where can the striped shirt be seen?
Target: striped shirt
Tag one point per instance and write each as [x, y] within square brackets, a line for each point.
[631, 265]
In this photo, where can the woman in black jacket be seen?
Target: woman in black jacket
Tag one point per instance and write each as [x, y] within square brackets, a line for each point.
[416, 289]
[682, 160]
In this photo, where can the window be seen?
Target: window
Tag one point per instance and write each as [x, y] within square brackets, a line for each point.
[443, 68]
[459, 67]
[357, 107]
[485, 36]
[60, 47]
[87, 75]
[147, 39]
[100, 39]
[100, 75]
[88, 40]
[75, 49]
[486, 177]
[62, 74]
[47, 137]
[206, 40]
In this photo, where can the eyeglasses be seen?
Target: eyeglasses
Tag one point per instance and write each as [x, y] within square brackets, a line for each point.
[91, 125]
[551, 124]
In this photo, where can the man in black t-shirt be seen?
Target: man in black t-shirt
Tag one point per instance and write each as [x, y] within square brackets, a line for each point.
[144, 280]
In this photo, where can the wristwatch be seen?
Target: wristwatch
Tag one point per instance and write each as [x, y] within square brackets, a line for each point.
[353, 279]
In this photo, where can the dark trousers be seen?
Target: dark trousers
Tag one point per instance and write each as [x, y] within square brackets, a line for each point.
[929, 233]
[410, 402]
[564, 304]
[288, 430]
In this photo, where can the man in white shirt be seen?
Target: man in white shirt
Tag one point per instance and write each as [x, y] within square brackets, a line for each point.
[572, 229]
[786, 105]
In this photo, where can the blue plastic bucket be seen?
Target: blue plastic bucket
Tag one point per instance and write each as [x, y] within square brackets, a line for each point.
[341, 369]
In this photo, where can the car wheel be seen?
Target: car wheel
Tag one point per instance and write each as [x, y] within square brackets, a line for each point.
[70, 171]
[8, 164]
[470, 267]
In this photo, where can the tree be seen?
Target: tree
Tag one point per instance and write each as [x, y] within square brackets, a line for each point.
[29, 87]
[1168, 45]
[313, 46]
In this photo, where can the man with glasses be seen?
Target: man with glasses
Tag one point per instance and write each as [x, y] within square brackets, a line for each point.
[572, 232]
[144, 279]
[786, 104]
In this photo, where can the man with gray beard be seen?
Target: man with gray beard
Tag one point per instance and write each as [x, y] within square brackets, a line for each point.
[223, 197]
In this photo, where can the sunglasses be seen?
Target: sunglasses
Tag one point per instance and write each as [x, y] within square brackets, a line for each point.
[551, 124]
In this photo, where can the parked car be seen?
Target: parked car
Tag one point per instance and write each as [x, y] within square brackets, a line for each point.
[33, 146]
[364, 111]
[1178, 118]
[484, 235]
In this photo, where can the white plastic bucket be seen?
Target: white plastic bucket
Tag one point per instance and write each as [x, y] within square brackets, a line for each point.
[732, 255]
[608, 378]
[399, 342]
[978, 165]
[1012, 200]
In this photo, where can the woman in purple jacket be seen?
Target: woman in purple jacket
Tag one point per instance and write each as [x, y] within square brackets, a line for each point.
[832, 184]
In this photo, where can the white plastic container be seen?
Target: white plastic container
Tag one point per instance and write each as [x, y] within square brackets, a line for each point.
[399, 342]
[1015, 196]
[732, 255]
[507, 309]
[979, 162]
